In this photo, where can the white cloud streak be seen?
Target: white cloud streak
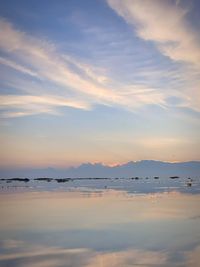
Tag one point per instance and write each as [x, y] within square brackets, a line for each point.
[165, 24]
[35, 104]
[73, 83]
[17, 67]
[40, 60]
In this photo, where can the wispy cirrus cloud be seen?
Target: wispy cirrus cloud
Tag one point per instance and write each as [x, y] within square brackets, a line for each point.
[23, 105]
[15, 66]
[76, 83]
[166, 25]
[49, 79]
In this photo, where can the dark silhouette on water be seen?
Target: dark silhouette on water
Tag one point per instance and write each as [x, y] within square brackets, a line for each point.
[174, 177]
[9, 180]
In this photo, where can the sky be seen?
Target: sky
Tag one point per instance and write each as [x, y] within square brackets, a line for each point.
[99, 81]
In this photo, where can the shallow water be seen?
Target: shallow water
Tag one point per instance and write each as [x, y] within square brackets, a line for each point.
[142, 185]
[97, 227]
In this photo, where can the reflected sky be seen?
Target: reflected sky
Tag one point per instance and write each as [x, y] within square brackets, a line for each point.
[107, 228]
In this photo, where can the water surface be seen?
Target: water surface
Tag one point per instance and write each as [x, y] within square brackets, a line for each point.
[101, 227]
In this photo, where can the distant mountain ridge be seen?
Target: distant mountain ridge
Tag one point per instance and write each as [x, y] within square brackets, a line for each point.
[143, 168]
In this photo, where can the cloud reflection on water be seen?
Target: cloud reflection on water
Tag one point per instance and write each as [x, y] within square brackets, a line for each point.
[107, 229]
[41, 256]
[35, 256]
[74, 210]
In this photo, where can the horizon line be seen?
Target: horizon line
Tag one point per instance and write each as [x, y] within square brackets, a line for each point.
[112, 165]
